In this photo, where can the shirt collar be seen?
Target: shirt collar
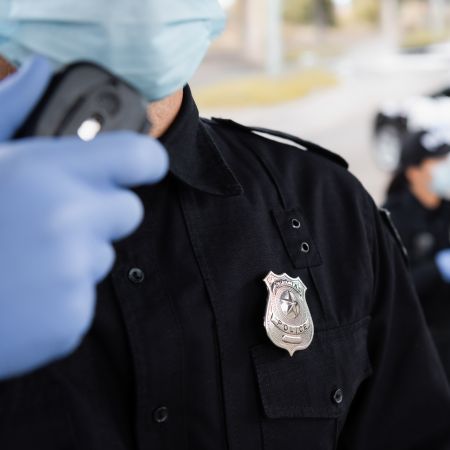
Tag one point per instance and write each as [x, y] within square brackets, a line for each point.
[195, 157]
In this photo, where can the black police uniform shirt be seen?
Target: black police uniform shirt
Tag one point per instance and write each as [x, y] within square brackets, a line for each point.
[178, 357]
[425, 232]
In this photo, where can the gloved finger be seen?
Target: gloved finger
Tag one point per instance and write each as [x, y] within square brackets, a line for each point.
[79, 313]
[122, 158]
[103, 257]
[114, 214]
[19, 94]
[126, 159]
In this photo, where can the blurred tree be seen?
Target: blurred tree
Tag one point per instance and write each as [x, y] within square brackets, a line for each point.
[367, 10]
[320, 12]
[298, 11]
[324, 13]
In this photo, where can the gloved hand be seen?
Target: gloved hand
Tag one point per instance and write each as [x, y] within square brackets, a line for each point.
[443, 263]
[62, 202]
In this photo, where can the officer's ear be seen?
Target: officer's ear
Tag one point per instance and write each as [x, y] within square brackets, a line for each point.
[5, 68]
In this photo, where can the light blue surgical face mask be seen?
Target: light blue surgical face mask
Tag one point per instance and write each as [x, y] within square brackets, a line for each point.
[440, 179]
[156, 45]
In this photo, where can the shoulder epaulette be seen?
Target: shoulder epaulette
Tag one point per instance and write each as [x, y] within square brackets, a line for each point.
[386, 216]
[314, 148]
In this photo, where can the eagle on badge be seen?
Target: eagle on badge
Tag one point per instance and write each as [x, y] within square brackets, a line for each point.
[288, 321]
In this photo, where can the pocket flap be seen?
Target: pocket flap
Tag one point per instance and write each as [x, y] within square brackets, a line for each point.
[318, 382]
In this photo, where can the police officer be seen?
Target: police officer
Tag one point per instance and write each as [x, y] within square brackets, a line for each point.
[263, 303]
[416, 200]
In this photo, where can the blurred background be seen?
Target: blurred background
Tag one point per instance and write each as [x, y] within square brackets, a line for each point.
[351, 75]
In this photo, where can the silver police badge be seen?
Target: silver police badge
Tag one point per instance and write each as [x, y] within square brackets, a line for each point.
[288, 321]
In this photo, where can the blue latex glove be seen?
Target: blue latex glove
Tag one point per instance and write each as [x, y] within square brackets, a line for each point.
[62, 202]
[443, 263]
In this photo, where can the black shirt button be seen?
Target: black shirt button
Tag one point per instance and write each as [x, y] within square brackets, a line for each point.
[338, 396]
[161, 414]
[136, 275]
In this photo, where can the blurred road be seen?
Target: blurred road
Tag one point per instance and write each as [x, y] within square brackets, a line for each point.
[341, 118]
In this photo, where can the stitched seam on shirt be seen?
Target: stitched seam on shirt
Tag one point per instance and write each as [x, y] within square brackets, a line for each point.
[202, 263]
[269, 170]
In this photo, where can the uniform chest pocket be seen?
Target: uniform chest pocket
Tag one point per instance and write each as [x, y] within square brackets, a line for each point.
[306, 397]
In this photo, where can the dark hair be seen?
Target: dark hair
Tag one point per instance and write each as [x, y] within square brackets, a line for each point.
[399, 183]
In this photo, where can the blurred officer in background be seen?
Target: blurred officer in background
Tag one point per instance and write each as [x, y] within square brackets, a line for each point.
[418, 202]
[243, 227]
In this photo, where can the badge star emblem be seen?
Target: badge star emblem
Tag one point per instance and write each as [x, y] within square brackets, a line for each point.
[289, 305]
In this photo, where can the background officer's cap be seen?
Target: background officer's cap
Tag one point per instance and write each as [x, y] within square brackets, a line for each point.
[422, 145]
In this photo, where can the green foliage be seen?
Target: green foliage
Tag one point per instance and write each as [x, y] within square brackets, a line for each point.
[421, 38]
[298, 11]
[309, 11]
[367, 10]
[263, 90]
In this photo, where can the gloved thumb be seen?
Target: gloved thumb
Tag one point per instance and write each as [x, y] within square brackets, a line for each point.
[19, 94]
[443, 264]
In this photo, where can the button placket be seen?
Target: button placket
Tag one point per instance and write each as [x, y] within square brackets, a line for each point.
[136, 279]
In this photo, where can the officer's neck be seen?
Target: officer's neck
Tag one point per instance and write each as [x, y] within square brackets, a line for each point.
[5, 68]
[161, 113]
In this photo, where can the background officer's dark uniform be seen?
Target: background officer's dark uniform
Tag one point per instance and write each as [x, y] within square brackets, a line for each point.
[425, 232]
[178, 357]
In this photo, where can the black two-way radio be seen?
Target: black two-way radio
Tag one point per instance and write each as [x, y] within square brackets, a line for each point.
[85, 99]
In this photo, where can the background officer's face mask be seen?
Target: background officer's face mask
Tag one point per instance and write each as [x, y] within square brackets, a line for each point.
[440, 182]
[156, 45]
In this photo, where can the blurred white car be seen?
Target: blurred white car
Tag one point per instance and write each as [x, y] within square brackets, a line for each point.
[394, 120]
